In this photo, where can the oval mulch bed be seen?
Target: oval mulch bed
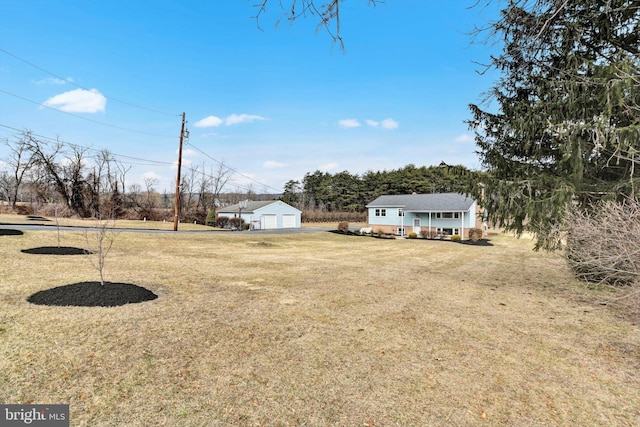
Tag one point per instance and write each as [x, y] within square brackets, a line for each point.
[36, 218]
[93, 294]
[56, 250]
[10, 232]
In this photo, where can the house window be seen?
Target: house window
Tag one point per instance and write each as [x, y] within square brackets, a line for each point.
[447, 215]
[400, 231]
[381, 212]
[400, 212]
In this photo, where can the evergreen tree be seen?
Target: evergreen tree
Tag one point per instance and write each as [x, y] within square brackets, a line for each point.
[567, 129]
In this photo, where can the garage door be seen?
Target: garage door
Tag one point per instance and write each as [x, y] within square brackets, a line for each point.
[269, 221]
[288, 221]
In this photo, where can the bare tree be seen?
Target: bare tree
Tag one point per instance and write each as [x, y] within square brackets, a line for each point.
[66, 175]
[212, 186]
[99, 243]
[6, 185]
[111, 174]
[327, 13]
[21, 161]
[187, 188]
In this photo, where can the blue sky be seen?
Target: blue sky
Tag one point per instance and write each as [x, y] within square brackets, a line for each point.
[273, 102]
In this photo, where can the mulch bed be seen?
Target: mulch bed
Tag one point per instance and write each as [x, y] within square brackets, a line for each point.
[9, 232]
[93, 294]
[36, 218]
[481, 242]
[57, 250]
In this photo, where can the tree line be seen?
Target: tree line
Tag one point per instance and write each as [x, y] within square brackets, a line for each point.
[347, 192]
[93, 183]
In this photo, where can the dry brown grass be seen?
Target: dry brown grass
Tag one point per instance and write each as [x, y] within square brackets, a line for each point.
[316, 329]
[77, 222]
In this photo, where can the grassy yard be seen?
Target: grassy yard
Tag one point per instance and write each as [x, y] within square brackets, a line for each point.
[316, 329]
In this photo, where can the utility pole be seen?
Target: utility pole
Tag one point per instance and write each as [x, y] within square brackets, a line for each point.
[177, 197]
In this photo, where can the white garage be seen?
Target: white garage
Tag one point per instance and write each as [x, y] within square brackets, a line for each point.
[264, 215]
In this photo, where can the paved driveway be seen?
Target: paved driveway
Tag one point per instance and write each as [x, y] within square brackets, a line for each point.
[37, 227]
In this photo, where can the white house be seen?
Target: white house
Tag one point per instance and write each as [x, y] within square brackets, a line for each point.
[443, 214]
[264, 215]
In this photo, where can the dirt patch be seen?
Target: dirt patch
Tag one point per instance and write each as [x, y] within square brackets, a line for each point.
[93, 294]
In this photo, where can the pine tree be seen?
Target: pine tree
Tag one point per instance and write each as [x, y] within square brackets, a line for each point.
[567, 128]
[211, 218]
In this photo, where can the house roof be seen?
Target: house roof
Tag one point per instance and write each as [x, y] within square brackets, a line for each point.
[252, 206]
[434, 202]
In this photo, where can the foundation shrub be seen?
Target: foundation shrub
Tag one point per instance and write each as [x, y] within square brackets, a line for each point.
[475, 234]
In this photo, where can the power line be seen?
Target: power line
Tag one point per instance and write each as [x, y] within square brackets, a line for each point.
[84, 118]
[72, 144]
[232, 169]
[6, 52]
[137, 161]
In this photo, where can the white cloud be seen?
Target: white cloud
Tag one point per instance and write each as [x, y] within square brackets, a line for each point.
[187, 152]
[186, 163]
[272, 164]
[384, 124]
[328, 166]
[207, 122]
[78, 101]
[349, 123]
[151, 175]
[234, 119]
[465, 137]
[54, 81]
[389, 124]
[85, 161]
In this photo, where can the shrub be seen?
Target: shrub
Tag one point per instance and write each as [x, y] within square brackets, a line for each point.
[343, 227]
[412, 235]
[222, 222]
[24, 209]
[456, 238]
[211, 218]
[603, 245]
[236, 223]
[475, 234]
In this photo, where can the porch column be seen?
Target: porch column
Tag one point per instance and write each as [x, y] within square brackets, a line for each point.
[462, 225]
